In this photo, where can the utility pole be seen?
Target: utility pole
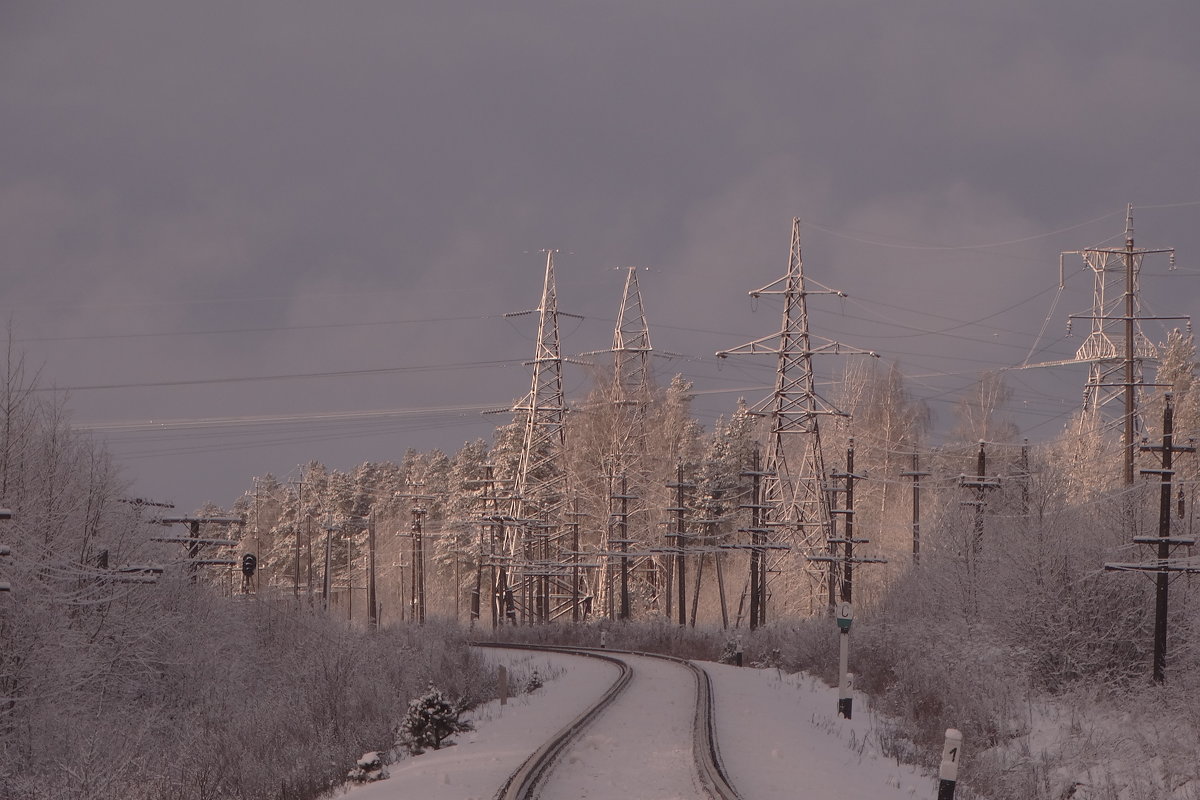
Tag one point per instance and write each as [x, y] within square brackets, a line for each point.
[843, 610]
[573, 526]
[5, 551]
[417, 529]
[1163, 565]
[349, 576]
[916, 474]
[709, 545]
[326, 581]
[981, 484]
[299, 484]
[679, 545]
[418, 563]
[257, 537]
[196, 543]
[491, 533]
[758, 507]
[619, 520]
[373, 607]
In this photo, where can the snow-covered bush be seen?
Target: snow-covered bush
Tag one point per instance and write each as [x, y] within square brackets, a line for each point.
[368, 769]
[534, 683]
[430, 720]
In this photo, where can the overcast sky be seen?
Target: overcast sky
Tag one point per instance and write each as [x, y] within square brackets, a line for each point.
[197, 192]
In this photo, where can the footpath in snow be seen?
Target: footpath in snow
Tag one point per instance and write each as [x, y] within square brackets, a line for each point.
[779, 735]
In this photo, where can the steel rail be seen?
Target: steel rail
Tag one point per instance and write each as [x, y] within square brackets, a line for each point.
[522, 783]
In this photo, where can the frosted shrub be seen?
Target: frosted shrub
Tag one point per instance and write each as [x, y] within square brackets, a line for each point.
[430, 720]
[368, 768]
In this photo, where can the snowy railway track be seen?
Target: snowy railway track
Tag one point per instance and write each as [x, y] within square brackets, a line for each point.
[528, 780]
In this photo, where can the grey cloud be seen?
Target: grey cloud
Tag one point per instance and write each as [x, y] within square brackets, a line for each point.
[183, 166]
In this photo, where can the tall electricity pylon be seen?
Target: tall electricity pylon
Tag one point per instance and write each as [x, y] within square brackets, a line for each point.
[629, 441]
[1115, 346]
[798, 507]
[540, 488]
[631, 346]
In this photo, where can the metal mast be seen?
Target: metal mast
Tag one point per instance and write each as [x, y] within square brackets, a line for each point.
[631, 345]
[622, 410]
[798, 513]
[1115, 345]
[540, 488]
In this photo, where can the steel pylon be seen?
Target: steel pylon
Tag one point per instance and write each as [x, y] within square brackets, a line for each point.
[540, 486]
[631, 346]
[1115, 347]
[798, 511]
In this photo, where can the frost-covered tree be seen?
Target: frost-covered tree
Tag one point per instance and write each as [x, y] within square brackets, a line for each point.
[431, 719]
[457, 550]
[980, 412]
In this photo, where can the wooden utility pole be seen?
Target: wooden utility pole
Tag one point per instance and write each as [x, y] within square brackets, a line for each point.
[417, 534]
[982, 484]
[1163, 565]
[372, 604]
[843, 565]
[326, 580]
[491, 532]
[418, 562]
[299, 484]
[758, 506]
[680, 541]
[622, 541]
[196, 543]
[573, 525]
[708, 545]
[916, 474]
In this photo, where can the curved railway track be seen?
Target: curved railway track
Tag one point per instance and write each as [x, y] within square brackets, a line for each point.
[526, 781]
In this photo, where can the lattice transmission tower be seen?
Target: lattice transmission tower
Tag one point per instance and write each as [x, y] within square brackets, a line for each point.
[619, 410]
[631, 346]
[1115, 346]
[629, 472]
[796, 520]
[531, 576]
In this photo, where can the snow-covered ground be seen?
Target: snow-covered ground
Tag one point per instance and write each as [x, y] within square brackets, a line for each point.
[780, 737]
[504, 736]
[641, 746]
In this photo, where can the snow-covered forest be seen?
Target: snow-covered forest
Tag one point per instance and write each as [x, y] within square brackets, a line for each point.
[121, 680]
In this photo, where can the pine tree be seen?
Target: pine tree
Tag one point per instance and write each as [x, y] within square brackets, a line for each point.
[430, 720]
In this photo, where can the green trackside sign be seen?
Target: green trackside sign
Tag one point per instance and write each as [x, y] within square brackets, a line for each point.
[845, 615]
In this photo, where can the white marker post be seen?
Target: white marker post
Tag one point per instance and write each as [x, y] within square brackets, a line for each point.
[845, 615]
[948, 771]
